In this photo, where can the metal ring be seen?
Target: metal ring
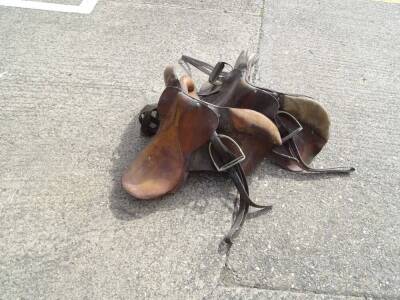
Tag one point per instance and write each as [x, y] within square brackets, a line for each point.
[232, 163]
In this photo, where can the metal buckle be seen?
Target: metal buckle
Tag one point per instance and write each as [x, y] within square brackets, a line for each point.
[233, 162]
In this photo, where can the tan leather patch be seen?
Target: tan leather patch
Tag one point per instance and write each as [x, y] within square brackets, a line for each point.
[309, 112]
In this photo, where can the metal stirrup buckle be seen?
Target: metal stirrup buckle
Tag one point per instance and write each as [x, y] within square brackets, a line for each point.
[233, 162]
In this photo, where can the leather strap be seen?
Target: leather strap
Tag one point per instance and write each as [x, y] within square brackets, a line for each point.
[239, 179]
[337, 170]
[215, 73]
[294, 150]
[186, 61]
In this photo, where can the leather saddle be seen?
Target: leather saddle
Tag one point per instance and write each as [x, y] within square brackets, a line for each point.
[228, 126]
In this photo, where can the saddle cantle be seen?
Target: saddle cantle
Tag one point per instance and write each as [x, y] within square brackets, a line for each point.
[229, 126]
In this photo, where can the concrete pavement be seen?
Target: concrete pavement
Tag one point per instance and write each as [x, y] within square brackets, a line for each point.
[71, 86]
[331, 235]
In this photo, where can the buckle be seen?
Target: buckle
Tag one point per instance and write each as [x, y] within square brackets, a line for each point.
[235, 161]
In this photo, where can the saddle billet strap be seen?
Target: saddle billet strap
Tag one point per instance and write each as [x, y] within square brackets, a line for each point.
[337, 170]
[236, 173]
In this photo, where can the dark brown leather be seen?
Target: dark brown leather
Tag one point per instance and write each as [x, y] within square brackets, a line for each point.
[162, 166]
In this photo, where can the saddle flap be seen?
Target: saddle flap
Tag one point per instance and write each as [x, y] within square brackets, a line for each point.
[256, 133]
[158, 169]
[162, 166]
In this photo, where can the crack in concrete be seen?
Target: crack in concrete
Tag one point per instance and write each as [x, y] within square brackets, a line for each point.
[260, 37]
[255, 71]
[189, 7]
[229, 283]
[228, 277]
